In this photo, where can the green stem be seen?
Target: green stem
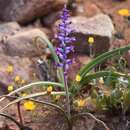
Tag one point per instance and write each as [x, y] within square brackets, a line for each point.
[35, 84]
[67, 97]
[19, 113]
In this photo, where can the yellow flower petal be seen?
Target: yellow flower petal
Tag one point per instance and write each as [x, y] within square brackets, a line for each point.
[10, 88]
[49, 89]
[123, 12]
[23, 94]
[9, 69]
[57, 97]
[81, 103]
[78, 78]
[23, 81]
[17, 78]
[91, 40]
[29, 105]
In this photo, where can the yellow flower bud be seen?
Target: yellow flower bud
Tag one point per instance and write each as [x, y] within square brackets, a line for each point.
[49, 89]
[17, 78]
[29, 105]
[81, 103]
[23, 94]
[9, 69]
[57, 97]
[10, 88]
[123, 12]
[78, 78]
[23, 81]
[91, 40]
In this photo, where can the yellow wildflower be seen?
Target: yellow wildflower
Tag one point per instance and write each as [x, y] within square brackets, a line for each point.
[23, 94]
[57, 97]
[81, 103]
[17, 78]
[29, 105]
[78, 78]
[49, 89]
[10, 88]
[9, 69]
[23, 81]
[91, 40]
[123, 12]
[101, 81]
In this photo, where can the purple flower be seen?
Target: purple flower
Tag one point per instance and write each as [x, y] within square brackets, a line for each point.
[65, 40]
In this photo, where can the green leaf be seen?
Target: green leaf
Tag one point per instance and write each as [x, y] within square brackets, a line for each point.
[36, 84]
[101, 58]
[31, 96]
[99, 74]
[44, 40]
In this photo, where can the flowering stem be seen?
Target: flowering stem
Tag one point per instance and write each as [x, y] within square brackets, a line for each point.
[19, 113]
[64, 49]
[91, 51]
[67, 96]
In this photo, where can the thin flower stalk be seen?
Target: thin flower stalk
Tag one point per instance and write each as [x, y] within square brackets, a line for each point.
[65, 48]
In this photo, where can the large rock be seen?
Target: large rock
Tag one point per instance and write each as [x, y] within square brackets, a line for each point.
[99, 26]
[24, 11]
[21, 44]
[22, 67]
[7, 29]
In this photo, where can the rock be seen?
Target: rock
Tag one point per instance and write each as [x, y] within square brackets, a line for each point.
[7, 29]
[21, 66]
[87, 8]
[50, 19]
[80, 61]
[24, 11]
[90, 9]
[99, 26]
[2, 122]
[127, 35]
[117, 43]
[21, 44]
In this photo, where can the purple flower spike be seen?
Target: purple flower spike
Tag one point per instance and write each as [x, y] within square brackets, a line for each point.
[65, 40]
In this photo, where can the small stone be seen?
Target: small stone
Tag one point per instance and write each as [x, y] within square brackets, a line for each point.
[7, 29]
[90, 9]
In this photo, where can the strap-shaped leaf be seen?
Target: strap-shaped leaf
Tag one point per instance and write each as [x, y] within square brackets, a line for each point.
[31, 96]
[99, 74]
[32, 85]
[44, 40]
[101, 58]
